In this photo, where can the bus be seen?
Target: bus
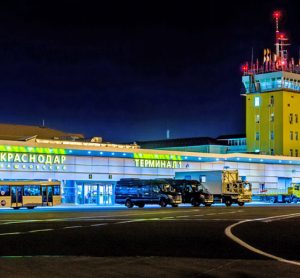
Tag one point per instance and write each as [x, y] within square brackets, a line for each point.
[29, 194]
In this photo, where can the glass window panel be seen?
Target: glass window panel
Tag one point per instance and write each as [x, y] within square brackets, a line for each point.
[4, 190]
[32, 190]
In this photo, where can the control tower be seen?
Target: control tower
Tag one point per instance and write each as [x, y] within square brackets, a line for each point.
[273, 100]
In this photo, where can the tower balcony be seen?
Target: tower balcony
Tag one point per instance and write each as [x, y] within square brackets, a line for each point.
[271, 81]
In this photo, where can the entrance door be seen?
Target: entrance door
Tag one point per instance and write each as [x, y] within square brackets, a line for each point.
[105, 194]
[47, 196]
[90, 194]
[16, 196]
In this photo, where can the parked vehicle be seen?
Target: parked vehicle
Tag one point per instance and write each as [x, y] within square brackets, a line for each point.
[289, 195]
[193, 192]
[138, 192]
[29, 194]
[225, 185]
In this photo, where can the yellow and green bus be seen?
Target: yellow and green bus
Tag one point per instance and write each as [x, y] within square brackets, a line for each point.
[29, 194]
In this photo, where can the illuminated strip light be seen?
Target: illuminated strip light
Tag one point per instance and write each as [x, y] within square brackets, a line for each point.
[22, 149]
[90, 144]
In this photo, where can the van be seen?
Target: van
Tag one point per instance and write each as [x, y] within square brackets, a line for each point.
[139, 192]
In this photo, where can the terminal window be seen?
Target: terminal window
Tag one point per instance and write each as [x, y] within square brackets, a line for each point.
[257, 119]
[291, 118]
[272, 100]
[257, 101]
[257, 136]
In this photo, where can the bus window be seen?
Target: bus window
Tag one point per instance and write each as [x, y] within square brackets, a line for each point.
[32, 190]
[56, 190]
[50, 195]
[4, 190]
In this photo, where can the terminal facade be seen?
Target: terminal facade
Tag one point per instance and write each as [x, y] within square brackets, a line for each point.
[89, 169]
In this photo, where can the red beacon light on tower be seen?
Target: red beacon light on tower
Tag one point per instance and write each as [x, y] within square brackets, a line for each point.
[277, 60]
[245, 68]
[277, 14]
[281, 36]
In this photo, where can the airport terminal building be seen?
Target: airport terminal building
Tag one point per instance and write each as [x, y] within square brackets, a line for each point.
[89, 169]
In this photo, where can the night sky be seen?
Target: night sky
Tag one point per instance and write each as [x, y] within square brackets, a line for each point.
[130, 71]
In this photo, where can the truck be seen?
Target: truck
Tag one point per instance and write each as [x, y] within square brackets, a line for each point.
[224, 185]
[138, 192]
[289, 195]
[192, 191]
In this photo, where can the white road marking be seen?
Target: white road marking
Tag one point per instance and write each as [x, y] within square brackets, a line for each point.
[6, 234]
[101, 224]
[281, 217]
[229, 234]
[36, 231]
[22, 221]
[130, 221]
[72, 227]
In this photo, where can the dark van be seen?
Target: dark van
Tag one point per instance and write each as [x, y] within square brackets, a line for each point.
[138, 192]
[193, 192]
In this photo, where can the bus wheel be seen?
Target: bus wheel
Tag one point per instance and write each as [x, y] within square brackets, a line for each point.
[207, 205]
[241, 204]
[272, 200]
[228, 202]
[162, 203]
[128, 203]
[141, 205]
[31, 207]
[174, 205]
[16, 207]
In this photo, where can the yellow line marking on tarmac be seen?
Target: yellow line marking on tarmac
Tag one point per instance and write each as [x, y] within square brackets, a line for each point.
[229, 234]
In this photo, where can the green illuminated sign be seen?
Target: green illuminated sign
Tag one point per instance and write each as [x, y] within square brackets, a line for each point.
[22, 149]
[157, 156]
[152, 163]
[32, 158]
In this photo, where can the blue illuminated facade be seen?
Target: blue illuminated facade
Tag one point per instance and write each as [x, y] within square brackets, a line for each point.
[88, 171]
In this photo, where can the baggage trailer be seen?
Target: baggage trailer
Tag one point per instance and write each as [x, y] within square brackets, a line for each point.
[225, 185]
[289, 195]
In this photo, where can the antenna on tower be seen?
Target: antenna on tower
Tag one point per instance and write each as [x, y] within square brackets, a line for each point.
[277, 15]
[43, 123]
[252, 58]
